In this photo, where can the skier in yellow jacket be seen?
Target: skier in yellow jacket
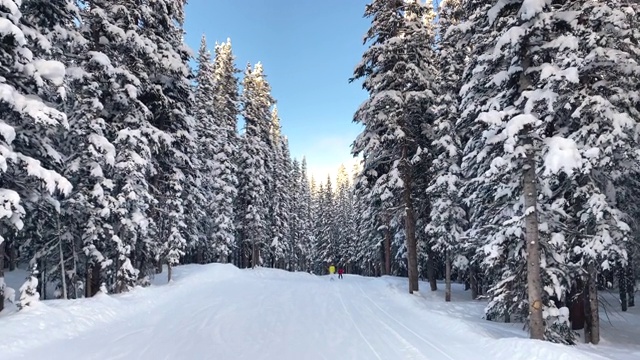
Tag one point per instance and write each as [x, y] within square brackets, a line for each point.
[332, 270]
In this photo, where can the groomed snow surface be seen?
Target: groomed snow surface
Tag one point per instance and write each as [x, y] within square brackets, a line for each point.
[221, 312]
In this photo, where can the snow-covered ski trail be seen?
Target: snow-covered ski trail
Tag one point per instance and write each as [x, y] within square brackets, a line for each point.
[402, 334]
[395, 321]
[355, 325]
[220, 312]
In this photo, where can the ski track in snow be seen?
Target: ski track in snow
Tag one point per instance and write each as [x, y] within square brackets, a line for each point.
[220, 312]
[357, 327]
[445, 355]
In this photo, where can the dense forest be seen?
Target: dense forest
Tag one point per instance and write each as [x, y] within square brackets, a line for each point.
[501, 140]
[499, 148]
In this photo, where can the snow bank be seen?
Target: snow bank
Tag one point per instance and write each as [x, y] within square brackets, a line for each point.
[58, 320]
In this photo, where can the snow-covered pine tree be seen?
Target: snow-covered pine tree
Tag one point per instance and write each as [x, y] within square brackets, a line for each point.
[300, 218]
[286, 178]
[474, 12]
[494, 159]
[447, 217]
[116, 50]
[255, 153]
[167, 93]
[90, 158]
[29, 290]
[344, 222]
[373, 231]
[26, 120]
[208, 133]
[522, 160]
[307, 215]
[597, 122]
[363, 224]
[486, 209]
[54, 37]
[296, 217]
[317, 223]
[318, 253]
[225, 100]
[325, 229]
[278, 245]
[399, 73]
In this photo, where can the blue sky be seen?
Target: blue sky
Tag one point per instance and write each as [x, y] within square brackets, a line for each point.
[309, 49]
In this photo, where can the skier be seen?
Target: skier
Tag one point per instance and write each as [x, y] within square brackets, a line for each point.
[332, 270]
[340, 272]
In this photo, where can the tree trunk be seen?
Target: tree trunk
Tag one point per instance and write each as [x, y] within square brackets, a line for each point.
[592, 328]
[631, 282]
[255, 254]
[507, 314]
[93, 283]
[387, 246]
[577, 302]
[119, 286]
[473, 282]
[242, 256]
[534, 280]
[431, 269]
[2, 248]
[41, 264]
[13, 255]
[410, 225]
[447, 277]
[63, 273]
[169, 268]
[76, 278]
[587, 314]
[622, 286]
[88, 288]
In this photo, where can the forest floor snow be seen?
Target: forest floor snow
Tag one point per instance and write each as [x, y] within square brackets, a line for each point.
[221, 312]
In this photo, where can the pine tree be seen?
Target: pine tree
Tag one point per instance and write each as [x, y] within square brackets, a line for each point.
[296, 217]
[280, 197]
[372, 228]
[325, 228]
[307, 213]
[91, 154]
[225, 100]
[254, 158]
[54, 37]
[56, 33]
[447, 217]
[25, 125]
[29, 290]
[599, 94]
[344, 221]
[399, 74]
[524, 160]
[302, 234]
[167, 93]
[119, 128]
[287, 179]
[208, 134]
[509, 245]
